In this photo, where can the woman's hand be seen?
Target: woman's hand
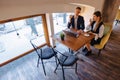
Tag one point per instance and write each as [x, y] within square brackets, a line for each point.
[91, 20]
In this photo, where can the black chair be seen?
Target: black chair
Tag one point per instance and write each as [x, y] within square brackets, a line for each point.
[44, 54]
[66, 59]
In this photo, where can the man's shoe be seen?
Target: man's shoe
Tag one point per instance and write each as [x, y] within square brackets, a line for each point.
[84, 49]
[88, 53]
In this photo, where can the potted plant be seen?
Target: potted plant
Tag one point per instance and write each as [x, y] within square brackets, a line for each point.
[62, 36]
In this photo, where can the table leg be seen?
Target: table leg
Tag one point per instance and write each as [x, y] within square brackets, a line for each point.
[79, 58]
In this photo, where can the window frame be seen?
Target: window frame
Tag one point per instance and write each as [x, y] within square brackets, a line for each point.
[46, 34]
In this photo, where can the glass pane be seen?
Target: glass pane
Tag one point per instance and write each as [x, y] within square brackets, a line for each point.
[60, 21]
[15, 37]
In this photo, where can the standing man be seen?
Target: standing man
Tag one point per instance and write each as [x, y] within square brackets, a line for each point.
[76, 21]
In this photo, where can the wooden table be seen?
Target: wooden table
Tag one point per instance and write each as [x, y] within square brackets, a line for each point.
[74, 43]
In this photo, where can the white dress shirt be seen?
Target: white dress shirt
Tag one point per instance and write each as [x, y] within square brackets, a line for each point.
[75, 21]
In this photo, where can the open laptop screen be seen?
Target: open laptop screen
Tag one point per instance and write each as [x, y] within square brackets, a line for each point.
[71, 33]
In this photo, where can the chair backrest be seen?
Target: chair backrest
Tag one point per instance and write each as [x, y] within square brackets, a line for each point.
[107, 32]
[35, 48]
[61, 57]
[107, 28]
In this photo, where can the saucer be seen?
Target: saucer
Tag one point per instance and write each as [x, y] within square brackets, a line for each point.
[86, 35]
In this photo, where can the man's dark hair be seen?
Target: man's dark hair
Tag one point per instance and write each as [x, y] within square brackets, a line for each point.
[78, 8]
[97, 13]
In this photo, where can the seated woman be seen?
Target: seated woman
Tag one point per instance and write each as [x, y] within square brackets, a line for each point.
[97, 28]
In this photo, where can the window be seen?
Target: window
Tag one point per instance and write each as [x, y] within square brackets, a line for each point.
[15, 37]
[60, 21]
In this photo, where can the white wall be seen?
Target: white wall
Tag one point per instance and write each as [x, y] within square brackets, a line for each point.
[88, 13]
[18, 8]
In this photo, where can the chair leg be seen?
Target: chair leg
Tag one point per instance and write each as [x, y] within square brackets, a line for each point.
[56, 68]
[69, 49]
[43, 67]
[76, 68]
[104, 46]
[63, 73]
[99, 52]
[56, 59]
[38, 62]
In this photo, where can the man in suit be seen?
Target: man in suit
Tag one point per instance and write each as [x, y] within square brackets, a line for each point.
[76, 21]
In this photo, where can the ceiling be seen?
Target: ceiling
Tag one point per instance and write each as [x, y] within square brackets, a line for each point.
[26, 2]
[45, 2]
[17, 8]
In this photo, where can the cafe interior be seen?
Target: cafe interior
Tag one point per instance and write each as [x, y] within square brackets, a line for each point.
[36, 43]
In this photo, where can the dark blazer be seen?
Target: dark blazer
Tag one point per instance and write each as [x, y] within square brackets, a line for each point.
[80, 23]
[98, 29]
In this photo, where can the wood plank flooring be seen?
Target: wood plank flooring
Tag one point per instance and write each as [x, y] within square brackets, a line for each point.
[105, 67]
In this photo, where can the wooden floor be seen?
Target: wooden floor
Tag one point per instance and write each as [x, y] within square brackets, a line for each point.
[105, 67]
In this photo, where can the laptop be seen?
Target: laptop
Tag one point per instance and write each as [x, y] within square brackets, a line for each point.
[71, 33]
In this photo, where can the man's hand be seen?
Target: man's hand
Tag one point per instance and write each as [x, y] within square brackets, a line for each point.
[80, 31]
[70, 17]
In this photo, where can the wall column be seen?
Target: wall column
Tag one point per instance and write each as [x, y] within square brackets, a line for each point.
[45, 27]
[50, 27]
[110, 9]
